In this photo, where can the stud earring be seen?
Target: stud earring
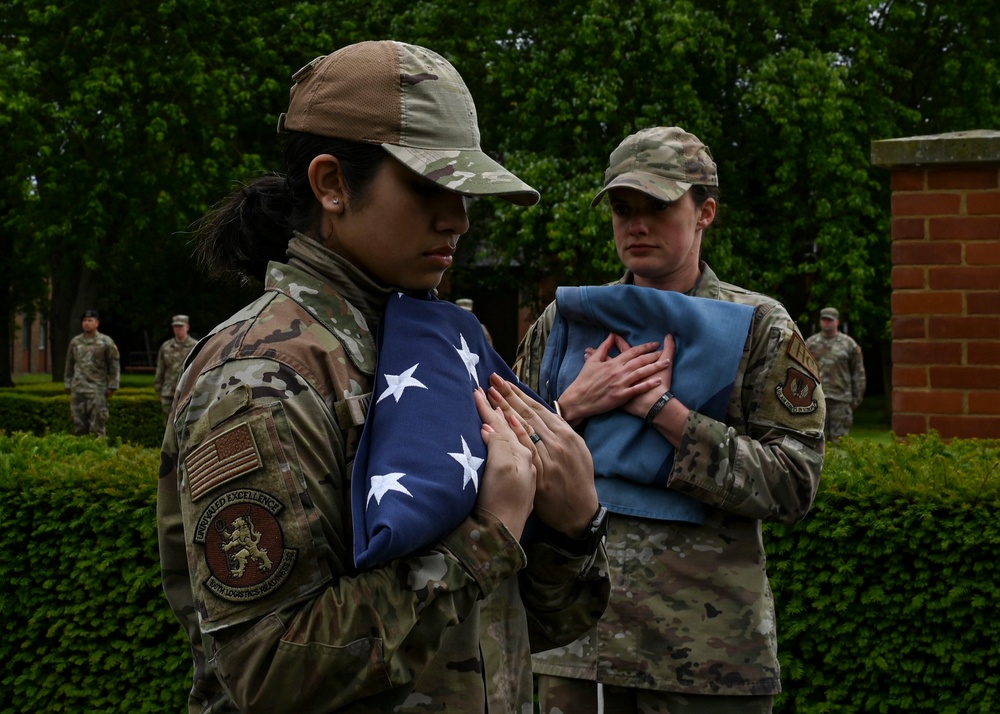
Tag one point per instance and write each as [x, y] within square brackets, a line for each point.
[336, 202]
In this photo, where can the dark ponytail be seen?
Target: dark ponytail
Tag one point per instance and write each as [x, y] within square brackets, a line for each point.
[252, 226]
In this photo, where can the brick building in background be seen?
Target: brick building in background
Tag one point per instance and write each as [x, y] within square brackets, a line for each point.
[945, 282]
[29, 345]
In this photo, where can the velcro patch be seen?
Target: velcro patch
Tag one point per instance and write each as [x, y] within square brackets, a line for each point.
[798, 351]
[798, 392]
[220, 459]
[352, 411]
[244, 546]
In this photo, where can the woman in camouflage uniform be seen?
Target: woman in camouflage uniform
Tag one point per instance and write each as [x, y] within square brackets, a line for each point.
[254, 501]
[690, 626]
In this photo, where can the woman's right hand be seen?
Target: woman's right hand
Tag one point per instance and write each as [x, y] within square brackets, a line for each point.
[508, 484]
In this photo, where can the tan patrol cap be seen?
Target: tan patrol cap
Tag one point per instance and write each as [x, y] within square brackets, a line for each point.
[180, 320]
[663, 162]
[413, 103]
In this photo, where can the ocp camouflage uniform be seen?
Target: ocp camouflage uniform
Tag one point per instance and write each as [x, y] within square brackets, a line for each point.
[691, 609]
[842, 369]
[169, 365]
[92, 369]
[256, 537]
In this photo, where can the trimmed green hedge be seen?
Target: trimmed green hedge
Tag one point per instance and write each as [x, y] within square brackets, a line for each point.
[885, 593]
[135, 415]
[84, 624]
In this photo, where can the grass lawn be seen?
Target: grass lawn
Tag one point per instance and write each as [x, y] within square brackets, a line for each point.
[135, 381]
[872, 420]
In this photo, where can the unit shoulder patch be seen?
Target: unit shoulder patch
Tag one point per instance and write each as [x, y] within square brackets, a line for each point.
[798, 392]
[244, 545]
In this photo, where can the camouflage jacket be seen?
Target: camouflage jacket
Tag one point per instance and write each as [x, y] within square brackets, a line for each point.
[170, 364]
[842, 367]
[92, 364]
[691, 608]
[256, 544]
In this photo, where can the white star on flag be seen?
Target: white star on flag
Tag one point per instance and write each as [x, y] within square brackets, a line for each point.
[469, 358]
[432, 436]
[382, 484]
[398, 382]
[470, 465]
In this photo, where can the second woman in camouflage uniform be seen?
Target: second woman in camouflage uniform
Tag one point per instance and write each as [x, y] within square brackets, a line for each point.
[690, 626]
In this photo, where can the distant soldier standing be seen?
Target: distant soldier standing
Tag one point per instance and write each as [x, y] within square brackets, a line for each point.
[170, 361]
[843, 372]
[92, 374]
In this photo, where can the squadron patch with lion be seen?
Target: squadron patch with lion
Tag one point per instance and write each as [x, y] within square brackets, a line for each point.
[244, 545]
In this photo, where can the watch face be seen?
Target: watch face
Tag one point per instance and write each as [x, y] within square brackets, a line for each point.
[600, 520]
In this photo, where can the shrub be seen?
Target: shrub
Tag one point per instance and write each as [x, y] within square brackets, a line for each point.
[135, 414]
[85, 626]
[886, 592]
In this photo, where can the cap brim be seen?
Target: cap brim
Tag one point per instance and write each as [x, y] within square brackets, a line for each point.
[656, 186]
[466, 171]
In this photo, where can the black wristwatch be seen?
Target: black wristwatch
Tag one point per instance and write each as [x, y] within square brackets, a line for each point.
[586, 543]
[599, 526]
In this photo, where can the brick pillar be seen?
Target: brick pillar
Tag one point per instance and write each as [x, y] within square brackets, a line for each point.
[945, 282]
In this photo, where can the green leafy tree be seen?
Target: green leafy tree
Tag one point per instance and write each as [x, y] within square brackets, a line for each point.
[788, 95]
[141, 116]
[125, 121]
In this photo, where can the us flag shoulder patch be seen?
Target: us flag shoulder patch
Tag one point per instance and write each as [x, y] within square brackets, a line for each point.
[222, 458]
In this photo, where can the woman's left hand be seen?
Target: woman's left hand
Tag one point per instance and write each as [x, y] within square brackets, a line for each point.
[640, 404]
[565, 495]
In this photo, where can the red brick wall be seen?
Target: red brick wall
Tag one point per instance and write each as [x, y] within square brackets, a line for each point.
[946, 300]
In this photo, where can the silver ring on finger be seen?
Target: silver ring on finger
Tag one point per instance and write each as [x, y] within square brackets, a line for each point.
[535, 438]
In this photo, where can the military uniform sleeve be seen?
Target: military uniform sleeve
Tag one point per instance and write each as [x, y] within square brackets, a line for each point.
[160, 368]
[764, 461]
[528, 361]
[263, 489]
[113, 364]
[858, 378]
[564, 592]
[70, 366]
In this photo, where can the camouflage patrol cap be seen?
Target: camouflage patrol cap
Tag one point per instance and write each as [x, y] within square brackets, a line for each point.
[829, 313]
[409, 100]
[663, 162]
[180, 320]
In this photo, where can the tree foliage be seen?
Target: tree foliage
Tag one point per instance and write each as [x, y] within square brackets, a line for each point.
[122, 122]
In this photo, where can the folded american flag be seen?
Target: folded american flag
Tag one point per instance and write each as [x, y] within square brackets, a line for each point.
[420, 457]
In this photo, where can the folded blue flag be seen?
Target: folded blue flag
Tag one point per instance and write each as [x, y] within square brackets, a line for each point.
[421, 453]
[633, 460]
